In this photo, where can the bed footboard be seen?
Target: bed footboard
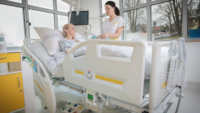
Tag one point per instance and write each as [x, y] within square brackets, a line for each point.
[121, 78]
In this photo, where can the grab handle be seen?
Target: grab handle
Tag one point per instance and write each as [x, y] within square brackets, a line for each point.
[1, 58]
[18, 82]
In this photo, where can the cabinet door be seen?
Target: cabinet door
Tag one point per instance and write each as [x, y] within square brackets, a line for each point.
[11, 93]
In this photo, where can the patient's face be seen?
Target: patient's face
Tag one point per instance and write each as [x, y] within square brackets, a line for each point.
[71, 30]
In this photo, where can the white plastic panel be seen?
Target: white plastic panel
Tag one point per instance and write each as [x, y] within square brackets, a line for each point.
[159, 74]
[128, 74]
[43, 87]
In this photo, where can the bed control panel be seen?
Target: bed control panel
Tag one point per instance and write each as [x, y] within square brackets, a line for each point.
[91, 97]
[72, 108]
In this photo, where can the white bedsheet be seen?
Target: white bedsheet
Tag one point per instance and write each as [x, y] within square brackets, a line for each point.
[48, 61]
[54, 63]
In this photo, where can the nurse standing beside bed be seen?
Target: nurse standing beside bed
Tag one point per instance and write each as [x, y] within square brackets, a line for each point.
[114, 25]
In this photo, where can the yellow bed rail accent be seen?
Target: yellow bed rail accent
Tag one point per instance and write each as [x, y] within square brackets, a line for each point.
[114, 38]
[164, 84]
[109, 79]
[79, 72]
[38, 86]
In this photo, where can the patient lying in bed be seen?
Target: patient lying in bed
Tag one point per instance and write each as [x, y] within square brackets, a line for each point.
[69, 40]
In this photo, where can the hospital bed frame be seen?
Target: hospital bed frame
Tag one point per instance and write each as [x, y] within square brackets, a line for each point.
[123, 87]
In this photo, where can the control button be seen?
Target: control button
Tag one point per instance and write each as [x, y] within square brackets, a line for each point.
[75, 105]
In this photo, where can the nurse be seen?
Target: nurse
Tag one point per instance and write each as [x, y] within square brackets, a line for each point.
[114, 25]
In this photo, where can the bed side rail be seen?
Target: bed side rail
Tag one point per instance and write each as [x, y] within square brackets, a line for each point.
[158, 88]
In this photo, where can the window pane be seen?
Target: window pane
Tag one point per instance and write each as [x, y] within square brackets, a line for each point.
[42, 3]
[62, 20]
[63, 7]
[130, 3]
[193, 19]
[103, 4]
[136, 24]
[18, 1]
[40, 19]
[11, 26]
[167, 20]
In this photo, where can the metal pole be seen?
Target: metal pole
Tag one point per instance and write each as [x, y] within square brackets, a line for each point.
[27, 23]
[180, 95]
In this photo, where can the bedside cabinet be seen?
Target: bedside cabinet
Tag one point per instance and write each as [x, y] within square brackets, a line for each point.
[13, 84]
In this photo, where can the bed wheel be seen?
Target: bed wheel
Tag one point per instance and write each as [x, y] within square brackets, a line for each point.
[43, 105]
[145, 112]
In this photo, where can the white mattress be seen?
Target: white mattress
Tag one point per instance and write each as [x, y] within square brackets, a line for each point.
[48, 61]
[53, 63]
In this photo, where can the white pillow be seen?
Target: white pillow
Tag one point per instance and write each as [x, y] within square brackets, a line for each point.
[50, 39]
[79, 37]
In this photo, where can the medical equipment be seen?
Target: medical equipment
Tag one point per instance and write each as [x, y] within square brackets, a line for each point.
[96, 82]
[81, 19]
[78, 7]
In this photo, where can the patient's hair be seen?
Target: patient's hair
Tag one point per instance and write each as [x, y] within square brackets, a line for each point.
[66, 26]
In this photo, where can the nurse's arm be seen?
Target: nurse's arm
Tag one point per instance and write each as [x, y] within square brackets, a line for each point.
[117, 34]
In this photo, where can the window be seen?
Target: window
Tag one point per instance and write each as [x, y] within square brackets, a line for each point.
[41, 14]
[11, 26]
[62, 20]
[130, 3]
[193, 18]
[103, 4]
[62, 6]
[136, 22]
[40, 19]
[167, 20]
[42, 3]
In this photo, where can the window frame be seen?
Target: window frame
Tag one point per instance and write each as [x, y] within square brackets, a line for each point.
[148, 5]
[22, 5]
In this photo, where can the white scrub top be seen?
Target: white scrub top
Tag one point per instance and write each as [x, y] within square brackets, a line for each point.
[111, 27]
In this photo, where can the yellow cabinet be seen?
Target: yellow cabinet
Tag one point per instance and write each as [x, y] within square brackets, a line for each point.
[9, 57]
[11, 92]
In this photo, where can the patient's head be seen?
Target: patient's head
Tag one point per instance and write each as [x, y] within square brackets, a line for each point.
[69, 30]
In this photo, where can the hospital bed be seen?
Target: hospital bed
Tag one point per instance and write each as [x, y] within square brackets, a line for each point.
[111, 84]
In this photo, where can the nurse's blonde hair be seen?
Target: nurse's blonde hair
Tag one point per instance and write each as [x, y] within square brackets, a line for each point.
[66, 26]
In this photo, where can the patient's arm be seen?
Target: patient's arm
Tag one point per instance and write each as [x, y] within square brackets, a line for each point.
[67, 50]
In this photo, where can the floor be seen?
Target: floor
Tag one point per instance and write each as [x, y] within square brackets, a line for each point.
[189, 104]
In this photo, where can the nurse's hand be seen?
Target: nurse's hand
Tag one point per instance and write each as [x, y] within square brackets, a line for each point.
[104, 36]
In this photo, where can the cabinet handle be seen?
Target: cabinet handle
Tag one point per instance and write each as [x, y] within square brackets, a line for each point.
[18, 82]
[1, 58]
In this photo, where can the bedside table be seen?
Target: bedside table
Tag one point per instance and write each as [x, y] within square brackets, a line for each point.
[16, 89]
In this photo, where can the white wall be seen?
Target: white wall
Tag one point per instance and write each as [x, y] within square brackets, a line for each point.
[93, 7]
[193, 61]
[95, 13]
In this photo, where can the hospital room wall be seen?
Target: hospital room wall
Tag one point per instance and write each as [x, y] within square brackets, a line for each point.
[94, 13]
[193, 61]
